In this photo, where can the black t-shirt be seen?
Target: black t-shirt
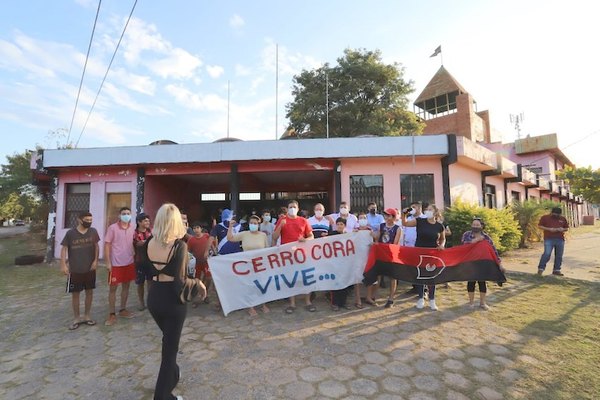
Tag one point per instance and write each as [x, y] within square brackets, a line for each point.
[427, 234]
[81, 248]
[387, 234]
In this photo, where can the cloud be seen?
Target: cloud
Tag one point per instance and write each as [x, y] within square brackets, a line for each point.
[190, 100]
[241, 70]
[236, 21]
[290, 63]
[214, 70]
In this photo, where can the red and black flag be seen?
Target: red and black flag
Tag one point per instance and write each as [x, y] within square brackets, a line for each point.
[423, 266]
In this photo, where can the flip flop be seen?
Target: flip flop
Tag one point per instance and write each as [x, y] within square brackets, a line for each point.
[74, 326]
[89, 322]
[290, 310]
[359, 306]
[310, 308]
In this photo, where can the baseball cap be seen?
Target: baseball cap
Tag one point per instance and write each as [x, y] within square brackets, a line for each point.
[391, 211]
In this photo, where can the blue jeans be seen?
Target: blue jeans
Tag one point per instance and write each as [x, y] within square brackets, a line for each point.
[430, 290]
[559, 247]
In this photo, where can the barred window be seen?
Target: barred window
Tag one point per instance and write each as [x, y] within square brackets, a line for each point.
[416, 187]
[490, 196]
[77, 201]
[365, 189]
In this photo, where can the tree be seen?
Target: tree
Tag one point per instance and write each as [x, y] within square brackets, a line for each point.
[583, 182]
[366, 96]
[12, 207]
[19, 198]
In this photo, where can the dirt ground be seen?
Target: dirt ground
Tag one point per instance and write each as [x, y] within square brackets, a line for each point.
[581, 259]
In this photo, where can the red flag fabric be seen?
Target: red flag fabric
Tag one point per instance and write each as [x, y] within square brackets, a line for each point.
[470, 262]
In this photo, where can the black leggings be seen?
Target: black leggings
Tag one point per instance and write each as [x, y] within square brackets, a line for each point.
[471, 287]
[169, 316]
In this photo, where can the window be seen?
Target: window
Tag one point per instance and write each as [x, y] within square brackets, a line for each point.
[365, 189]
[77, 201]
[249, 196]
[212, 196]
[490, 196]
[416, 187]
[516, 196]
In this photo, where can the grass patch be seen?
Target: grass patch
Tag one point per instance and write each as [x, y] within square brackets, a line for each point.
[560, 319]
[23, 244]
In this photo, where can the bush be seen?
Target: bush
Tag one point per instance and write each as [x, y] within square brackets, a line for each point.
[527, 214]
[499, 224]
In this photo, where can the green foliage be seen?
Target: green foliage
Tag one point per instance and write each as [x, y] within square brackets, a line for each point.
[366, 96]
[583, 182]
[499, 224]
[527, 214]
[19, 198]
[12, 207]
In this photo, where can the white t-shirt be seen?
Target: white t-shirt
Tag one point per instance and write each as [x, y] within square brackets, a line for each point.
[351, 221]
[319, 227]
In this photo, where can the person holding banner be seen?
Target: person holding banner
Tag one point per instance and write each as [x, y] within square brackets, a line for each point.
[167, 256]
[251, 240]
[476, 234]
[430, 234]
[291, 228]
[219, 235]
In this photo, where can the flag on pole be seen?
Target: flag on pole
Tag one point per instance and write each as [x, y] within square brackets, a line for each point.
[437, 51]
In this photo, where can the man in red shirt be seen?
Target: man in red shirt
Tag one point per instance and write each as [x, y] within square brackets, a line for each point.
[292, 228]
[554, 226]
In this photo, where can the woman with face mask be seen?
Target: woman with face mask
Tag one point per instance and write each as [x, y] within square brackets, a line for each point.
[251, 239]
[430, 234]
[476, 234]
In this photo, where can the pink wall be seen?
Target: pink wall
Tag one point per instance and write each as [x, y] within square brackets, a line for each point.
[391, 168]
[102, 181]
[516, 187]
[465, 184]
[499, 183]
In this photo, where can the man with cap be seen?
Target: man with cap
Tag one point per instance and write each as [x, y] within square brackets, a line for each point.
[141, 234]
[554, 226]
[218, 235]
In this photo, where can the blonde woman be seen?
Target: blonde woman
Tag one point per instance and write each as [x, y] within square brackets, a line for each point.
[167, 257]
[430, 234]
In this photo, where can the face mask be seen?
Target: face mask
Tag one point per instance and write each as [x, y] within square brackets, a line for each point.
[126, 218]
[292, 211]
[318, 213]
[362, 222]
[429, 214]
[343, 210]
[412, 211]
[372, 211]
[253, 227]
[476, 230]
[86, 224]
[267, 218]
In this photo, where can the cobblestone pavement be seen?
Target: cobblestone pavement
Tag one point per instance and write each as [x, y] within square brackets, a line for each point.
[374, 353]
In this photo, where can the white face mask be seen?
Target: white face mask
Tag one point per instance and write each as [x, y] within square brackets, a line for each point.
[412, 211]
[429, 214]
[362, 222]
[292, 211]
[343, 210]
[318, 213]
[267, 218]
[253, 227]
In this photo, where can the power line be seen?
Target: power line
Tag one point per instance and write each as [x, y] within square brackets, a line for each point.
[84, 68]
[106, 74]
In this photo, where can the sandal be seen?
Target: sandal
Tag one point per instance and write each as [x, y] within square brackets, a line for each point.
[88, 322]
[74, 326]
[358, 305]
[335, 308]
[310, 308]
[290, 310]
[371, 302]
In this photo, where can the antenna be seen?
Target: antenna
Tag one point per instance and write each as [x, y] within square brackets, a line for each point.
[517, 120]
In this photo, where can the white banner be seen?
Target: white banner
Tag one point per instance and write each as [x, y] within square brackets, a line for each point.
[255, 277]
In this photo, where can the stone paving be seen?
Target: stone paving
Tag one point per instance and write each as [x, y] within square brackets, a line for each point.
[375, 353]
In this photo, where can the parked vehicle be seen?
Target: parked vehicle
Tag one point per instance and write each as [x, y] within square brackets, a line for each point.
[19, 222]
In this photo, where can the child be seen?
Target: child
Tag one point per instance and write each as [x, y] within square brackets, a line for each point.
[198, 246]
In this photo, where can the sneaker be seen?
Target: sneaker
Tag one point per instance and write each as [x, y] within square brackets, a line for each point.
[126, 314]
[471, 305]
[420, 303]
[540, 272]
[484, 307]
[389, 303]
[557, 273]
[432, 305]
[179, 398]
[112, 319]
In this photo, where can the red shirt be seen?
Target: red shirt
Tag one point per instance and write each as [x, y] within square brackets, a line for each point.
[549, 221]
[137, 238]
[197, 246]
[293, 229]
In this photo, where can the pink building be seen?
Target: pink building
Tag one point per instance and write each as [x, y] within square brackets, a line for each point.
[453, 160]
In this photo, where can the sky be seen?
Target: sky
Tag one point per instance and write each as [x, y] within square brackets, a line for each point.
[179, 59]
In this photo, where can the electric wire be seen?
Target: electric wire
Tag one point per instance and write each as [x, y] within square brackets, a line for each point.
[106, 74]
[87, 56]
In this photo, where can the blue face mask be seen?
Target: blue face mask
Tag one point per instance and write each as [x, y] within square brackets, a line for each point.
[253, 227]
[126, 218]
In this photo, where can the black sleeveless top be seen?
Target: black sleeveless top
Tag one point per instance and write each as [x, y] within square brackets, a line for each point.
[175, 259]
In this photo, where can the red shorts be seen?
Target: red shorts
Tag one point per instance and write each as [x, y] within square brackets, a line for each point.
[121, 274]
[202, 269]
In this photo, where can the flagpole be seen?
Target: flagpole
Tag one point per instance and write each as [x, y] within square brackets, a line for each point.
[276, 87]
[228, 108]
[327, 103]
